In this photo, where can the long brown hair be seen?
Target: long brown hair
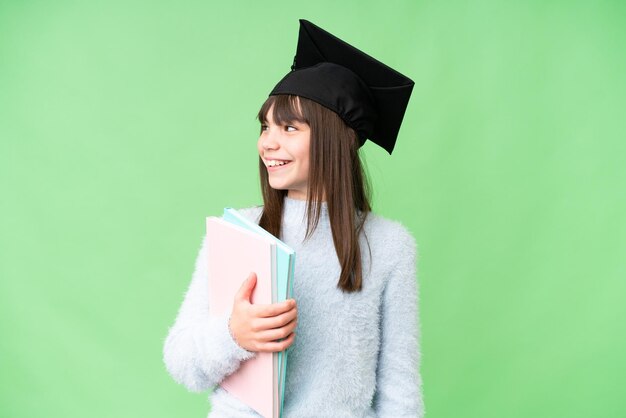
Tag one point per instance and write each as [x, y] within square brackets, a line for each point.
[335, 174]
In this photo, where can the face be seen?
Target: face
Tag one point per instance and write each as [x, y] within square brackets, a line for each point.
[285, 151]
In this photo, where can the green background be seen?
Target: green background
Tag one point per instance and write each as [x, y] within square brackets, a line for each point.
[124, 123]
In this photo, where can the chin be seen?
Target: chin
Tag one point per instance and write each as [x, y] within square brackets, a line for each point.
[278, 185]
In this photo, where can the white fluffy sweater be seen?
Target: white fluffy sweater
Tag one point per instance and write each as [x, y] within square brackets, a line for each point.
[354, 355]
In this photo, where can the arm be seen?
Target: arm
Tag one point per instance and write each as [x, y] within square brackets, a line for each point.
[199, 350]
[398, 382]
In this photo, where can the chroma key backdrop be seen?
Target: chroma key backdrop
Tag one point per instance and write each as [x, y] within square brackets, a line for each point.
[123, 124]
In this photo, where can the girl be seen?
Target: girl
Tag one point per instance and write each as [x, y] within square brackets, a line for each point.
[356, 353]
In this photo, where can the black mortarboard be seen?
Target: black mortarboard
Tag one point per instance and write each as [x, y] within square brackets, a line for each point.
[368, 95]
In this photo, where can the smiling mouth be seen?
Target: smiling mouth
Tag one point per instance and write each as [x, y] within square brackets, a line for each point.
[276, 163]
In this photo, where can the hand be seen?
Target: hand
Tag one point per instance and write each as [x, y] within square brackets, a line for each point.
[257, 327]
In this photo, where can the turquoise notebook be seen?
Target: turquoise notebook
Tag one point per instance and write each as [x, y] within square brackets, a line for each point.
[285, 261]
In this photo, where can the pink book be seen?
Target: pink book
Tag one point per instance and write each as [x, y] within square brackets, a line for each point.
[234, 252]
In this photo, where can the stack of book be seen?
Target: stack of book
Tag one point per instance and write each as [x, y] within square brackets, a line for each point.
[237, 247]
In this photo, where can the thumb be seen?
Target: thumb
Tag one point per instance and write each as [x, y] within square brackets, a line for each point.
[245, 291]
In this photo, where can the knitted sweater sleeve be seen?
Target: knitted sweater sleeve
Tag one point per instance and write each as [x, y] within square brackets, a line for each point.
[399, 384]
[199, 350]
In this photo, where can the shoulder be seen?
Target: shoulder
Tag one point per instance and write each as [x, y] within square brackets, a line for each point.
[389, 238]
[253, 213]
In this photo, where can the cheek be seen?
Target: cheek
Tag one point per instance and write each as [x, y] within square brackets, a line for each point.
[302, 150]
[303, 153]
[305, 160]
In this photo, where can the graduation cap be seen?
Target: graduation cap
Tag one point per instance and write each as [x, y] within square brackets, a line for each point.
[369, 96]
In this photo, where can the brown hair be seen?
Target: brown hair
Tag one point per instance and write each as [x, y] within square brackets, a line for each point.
[335, 174]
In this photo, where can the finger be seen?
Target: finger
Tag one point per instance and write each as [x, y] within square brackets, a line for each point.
[277, 333]
[245, 291]
[273, 346]
[265, 311]
[267, 323]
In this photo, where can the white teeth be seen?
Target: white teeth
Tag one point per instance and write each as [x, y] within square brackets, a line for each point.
[274, 163]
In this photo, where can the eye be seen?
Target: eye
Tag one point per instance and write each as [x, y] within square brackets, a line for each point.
[290, 128]
[263, 127]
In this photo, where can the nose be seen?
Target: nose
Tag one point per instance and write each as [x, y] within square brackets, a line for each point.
[269, 139]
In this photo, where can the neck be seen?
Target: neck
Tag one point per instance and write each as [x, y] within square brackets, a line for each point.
[297, 195]
[302, 195]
